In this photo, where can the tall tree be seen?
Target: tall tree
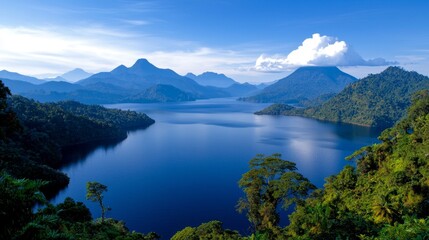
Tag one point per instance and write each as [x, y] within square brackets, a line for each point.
[8, 121]
[94, 192]
[269, 182]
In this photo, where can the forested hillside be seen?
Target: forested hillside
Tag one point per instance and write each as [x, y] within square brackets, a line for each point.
[384, 197]
[378, 100]
[33, 134]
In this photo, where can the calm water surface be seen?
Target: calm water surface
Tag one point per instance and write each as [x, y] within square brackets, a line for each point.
[183, 170]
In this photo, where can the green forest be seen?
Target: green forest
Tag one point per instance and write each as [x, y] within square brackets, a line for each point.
[384, 197]
[378, 100]
[32, 134]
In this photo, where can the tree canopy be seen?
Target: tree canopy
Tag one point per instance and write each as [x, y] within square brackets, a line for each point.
[384, 197]
[269, 182]
[94, 192]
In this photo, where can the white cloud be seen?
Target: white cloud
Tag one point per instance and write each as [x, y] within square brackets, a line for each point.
[38, 51]
[316, 51]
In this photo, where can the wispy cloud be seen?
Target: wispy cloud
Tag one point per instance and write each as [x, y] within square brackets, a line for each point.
[93, 49]
[135, 22]
[317, 51]
[52, 50]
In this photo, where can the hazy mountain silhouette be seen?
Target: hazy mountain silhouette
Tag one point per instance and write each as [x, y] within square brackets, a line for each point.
[304, 83]
[17, 76]
[212, 79]
[75, 75]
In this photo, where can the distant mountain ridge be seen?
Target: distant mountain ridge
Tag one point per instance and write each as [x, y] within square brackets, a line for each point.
[142, 82]
[143, 75]
[212, 79]
[378, 100]
[304, 83]
[75, 75]
[241, 89]
[20, 77]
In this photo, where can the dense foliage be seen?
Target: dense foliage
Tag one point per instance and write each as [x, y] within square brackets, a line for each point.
[304, 84]
[210, 230]
[67, 221]
[270, 182]
[125, 120]
[385, 197]
[275, 109]
[33, 134]
[378, 100]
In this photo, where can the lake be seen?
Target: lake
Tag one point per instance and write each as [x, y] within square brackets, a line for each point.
[183, 170]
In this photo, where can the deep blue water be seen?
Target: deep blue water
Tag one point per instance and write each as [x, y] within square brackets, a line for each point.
[183, 170]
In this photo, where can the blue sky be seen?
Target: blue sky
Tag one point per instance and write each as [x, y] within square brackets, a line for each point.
[254, 41]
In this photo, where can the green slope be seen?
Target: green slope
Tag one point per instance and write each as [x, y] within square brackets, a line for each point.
[377, 100]
[385, 197]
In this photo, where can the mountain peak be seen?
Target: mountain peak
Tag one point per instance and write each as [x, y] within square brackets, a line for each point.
[142, 63]
[75, 75]
[191, 76]
[306, 82]
[143, 67]
[394, 69]
[213, 79]
[120, 68]
[326, 69]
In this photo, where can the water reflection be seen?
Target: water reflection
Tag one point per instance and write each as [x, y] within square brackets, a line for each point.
[75, 155]
[183, 170]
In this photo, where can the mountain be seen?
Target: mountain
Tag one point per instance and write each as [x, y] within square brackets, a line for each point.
[20, 77]
[56, 79]
[75, 75]
[265, 84]
[212, 79]
[58, 86]
[53, 91]
[37, 132]
[22, 87]
[17, 86]
[160, 93]
[143, 75]
[120, 84]
[304, 83]
[377, 100]
[241, 89]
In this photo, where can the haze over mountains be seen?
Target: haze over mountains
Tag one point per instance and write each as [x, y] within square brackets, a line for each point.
[75, 75]
[142, 82]
[212, 79]
[329, 93]
[16, 76]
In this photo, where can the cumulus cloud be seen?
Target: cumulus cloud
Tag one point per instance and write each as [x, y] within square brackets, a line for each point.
[317, 51]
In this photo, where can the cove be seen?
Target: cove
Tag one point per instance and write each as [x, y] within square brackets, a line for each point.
[183, 170]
